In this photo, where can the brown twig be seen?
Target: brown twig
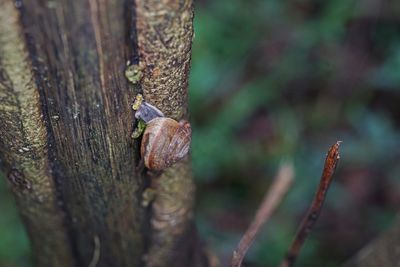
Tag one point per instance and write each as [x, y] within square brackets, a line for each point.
[312, 215]
[271, 201]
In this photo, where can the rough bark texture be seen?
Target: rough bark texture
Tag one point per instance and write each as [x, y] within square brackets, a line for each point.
[65, 125]
[23, 146]
[165, 35]
[79, 54]
[383, 252]
[165, 32]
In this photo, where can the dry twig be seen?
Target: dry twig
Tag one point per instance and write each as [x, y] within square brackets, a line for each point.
[269, 204]
[96, 252]
[312, 215]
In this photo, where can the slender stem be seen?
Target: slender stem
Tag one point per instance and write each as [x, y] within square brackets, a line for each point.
[313, 213]
[271, 200]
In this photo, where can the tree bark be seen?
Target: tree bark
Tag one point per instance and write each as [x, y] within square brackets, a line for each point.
[165, 34]
[66, 121]
[24, 147]
[382, 252]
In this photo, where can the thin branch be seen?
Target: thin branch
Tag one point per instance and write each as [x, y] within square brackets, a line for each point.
[271, 200]
[96, 252]
[312, 215]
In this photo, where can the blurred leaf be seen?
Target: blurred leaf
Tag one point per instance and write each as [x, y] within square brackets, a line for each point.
[14, 244]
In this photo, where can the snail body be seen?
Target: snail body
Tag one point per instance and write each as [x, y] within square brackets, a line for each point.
[165, 142]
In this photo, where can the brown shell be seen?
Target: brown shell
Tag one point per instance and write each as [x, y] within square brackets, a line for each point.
[165, 142]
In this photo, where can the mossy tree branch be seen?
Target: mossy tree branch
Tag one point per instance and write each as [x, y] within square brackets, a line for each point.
[165, 32]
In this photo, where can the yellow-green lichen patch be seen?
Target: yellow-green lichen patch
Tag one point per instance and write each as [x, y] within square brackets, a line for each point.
[139, 129]
[134, 73]
[138, 101]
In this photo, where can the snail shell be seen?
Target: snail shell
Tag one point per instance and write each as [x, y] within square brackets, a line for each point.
[165, 142]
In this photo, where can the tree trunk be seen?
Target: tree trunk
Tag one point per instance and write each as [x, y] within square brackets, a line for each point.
[382, 252]
[66, 121]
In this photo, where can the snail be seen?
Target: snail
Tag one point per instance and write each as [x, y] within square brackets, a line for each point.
[165, 141]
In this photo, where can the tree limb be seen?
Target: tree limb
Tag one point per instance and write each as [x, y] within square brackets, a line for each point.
[165, 32]
[383, 252]
[313, 213]
[271, 201]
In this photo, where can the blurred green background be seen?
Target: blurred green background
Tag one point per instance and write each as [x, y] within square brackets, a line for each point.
[276, 80]
[283, 80]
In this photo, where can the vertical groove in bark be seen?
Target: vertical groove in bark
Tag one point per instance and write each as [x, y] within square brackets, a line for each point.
[23, 146]
[79, 50]
[165, 31]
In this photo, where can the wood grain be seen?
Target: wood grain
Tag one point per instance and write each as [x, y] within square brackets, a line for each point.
[79, 51]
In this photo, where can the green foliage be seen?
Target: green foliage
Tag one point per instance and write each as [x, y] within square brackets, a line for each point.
[14, 245]
[275, 80]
